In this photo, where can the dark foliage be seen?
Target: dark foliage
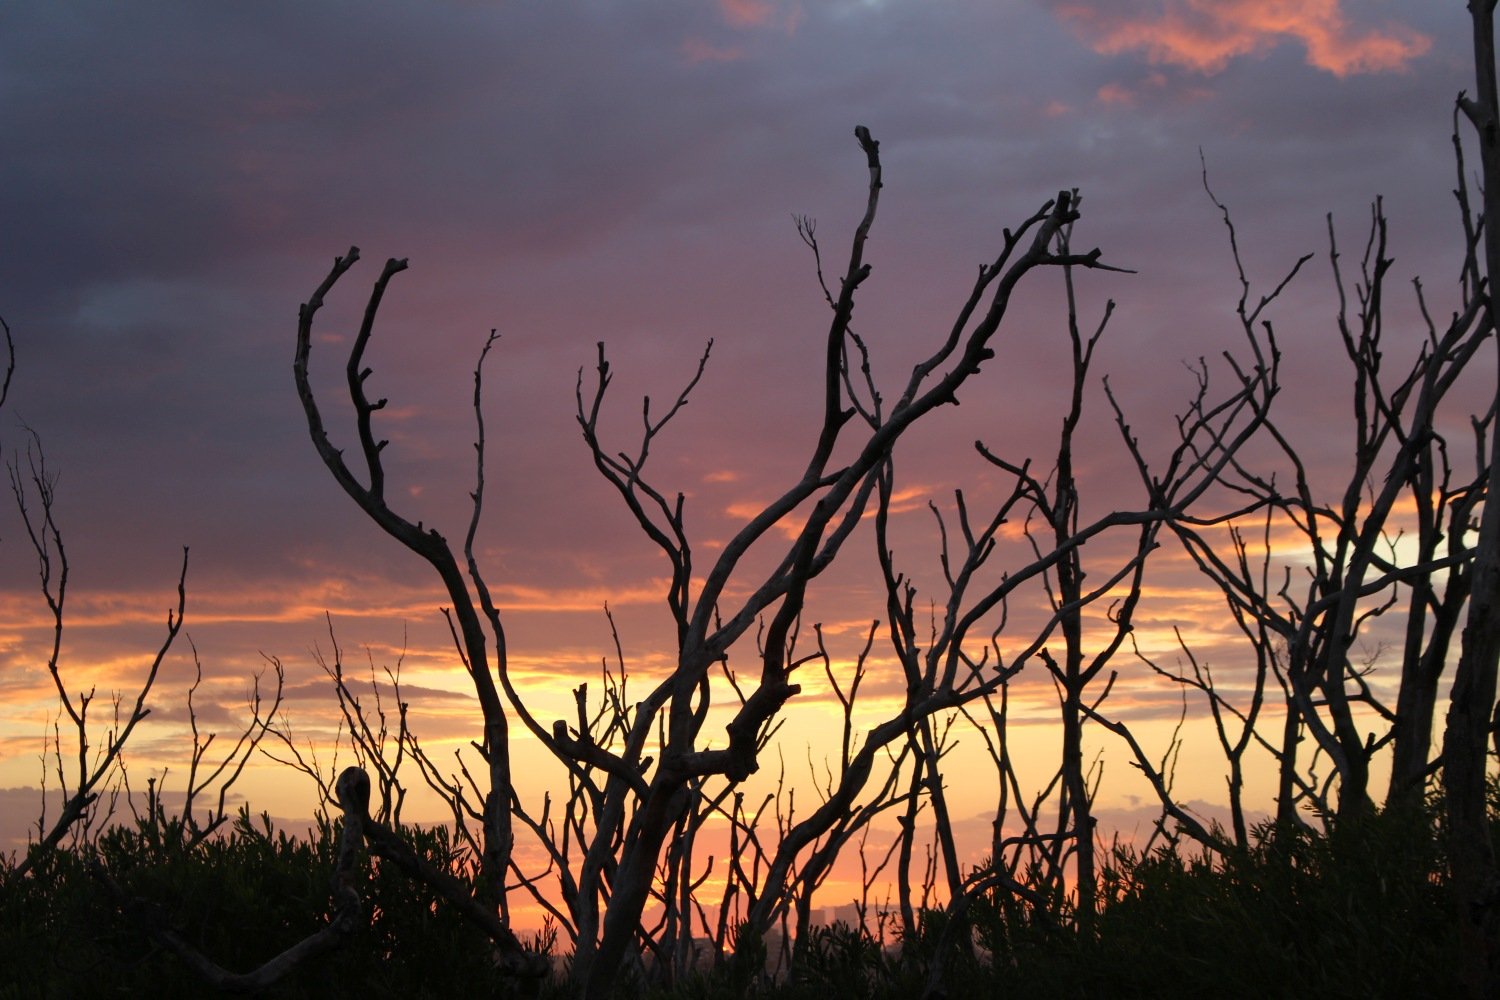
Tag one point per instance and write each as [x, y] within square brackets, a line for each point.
[239, 899]
[1360, 912]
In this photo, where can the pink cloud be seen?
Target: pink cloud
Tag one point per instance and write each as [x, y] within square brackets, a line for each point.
[746, 13]
[1204, 35]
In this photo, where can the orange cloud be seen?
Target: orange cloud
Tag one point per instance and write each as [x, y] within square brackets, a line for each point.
[746, 13]
[741, 16]
[1204, 35]
[746, 510]
[903, 501]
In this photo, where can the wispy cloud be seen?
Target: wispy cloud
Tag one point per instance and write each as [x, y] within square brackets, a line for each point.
[746, 13]
[697, 50]
[1205, 35]
[760, 14]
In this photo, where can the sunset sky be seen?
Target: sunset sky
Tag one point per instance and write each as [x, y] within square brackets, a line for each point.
[178, 177]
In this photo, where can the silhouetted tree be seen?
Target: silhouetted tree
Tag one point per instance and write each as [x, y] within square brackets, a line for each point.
[1470, 725]
[633, 818]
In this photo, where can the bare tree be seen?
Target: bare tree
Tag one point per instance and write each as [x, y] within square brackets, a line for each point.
[93, 768]
[622, 836]
[1470, 724]
[1213, 431]
[87, 760]
[624, 876]
[91, 774]
[627, 842]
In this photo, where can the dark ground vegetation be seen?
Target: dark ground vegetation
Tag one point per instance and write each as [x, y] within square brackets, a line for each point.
[1361, 912]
